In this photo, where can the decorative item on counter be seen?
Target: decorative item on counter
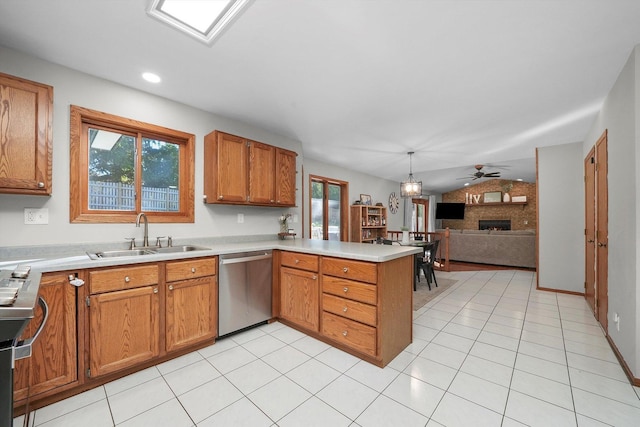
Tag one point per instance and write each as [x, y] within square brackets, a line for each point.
[405, 234]
[284, 226]
[476, 198]
[519, 199]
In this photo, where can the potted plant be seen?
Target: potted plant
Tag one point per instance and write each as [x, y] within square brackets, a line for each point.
[405, 234]
[506, 188]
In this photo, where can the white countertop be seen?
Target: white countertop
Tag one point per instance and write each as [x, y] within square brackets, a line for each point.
[356, 251]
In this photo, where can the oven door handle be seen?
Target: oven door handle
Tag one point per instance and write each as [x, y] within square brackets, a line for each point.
[23, 348]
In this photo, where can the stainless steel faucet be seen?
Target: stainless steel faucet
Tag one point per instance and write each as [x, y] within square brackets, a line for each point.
[145, 242]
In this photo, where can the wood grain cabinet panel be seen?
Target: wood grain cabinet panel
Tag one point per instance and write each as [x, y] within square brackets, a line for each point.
[124, 329]
[350, 269]
[299, 261]
[26, 117]
[191, 303]
[285, 177]
[299, 298]
[191, 269]
[356, 335]
[261, 173]
[53, 362]
[114, 279]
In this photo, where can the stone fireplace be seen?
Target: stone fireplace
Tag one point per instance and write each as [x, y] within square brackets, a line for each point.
[494, 224]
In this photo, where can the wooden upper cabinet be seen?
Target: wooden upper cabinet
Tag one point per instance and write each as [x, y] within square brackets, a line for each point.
[240, 171]
[261, 172]
[26, 116]
[226, 168]
[285, 177]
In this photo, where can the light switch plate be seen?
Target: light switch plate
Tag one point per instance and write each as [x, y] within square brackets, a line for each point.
[36, 216]
[240, 218]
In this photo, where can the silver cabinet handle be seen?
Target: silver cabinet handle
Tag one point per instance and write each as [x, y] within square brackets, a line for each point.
[170, 287]
[193, 269]
[345, 269]
[344, 309]
[155, 290]
[127, 279]
[345, 289]
[297, 261]
[344, 333]
[41, 185]
[314, 277]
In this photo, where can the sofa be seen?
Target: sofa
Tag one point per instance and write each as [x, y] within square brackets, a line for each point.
[516, 248]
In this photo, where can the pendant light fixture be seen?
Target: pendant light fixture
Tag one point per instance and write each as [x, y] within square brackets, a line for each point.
[411, 187]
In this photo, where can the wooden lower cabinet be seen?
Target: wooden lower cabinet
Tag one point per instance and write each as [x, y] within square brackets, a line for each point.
[299, 295]
[53, 363]
[124, 329]
[367, 307]
[191, 303]
[124, 318]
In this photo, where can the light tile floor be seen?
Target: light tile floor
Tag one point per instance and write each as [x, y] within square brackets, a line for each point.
[489, 351]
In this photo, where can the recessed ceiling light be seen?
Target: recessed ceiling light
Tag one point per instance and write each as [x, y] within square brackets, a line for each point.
[466, 183]
[202, 19]
[151, 77]
[519, 179]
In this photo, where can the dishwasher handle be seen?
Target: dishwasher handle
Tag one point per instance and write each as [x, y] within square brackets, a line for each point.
[245, 259]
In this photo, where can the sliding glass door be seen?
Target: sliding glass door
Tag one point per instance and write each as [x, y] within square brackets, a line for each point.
[329, 211]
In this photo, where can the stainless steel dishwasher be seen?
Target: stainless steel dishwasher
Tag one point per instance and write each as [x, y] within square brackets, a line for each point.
[244, 290]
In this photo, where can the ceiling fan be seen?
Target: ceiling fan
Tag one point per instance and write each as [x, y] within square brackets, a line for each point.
[480, 174]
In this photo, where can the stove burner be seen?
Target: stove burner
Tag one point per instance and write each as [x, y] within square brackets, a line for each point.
[9, 289]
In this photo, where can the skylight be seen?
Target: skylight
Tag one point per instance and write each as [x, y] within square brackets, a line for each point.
[202, 19]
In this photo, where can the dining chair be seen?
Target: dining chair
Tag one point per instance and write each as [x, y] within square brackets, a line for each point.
[426, 265]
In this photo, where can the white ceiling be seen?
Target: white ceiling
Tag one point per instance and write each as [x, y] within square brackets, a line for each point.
[361, 82]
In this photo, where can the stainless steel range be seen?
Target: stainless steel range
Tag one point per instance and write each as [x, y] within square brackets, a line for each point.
[18, 299]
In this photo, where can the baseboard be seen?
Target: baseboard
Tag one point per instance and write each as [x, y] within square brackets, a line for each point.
[635, 381]
[560, 291]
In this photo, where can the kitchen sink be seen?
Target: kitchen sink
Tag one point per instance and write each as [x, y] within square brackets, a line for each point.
[182, 248]
[145, 251]
[119, 253]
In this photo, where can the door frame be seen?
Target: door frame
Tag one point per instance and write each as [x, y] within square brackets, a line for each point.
[344, 206]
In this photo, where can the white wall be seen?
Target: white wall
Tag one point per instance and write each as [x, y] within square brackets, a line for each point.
[378, 188]
[619, 116]
[72, 87]
[561, 217]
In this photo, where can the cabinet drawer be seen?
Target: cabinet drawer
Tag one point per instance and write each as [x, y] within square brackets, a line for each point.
[298, 260]
[349, 269]
[357, 291]
[190, 269]
[350, 309]
[355, 335]
[129, 277]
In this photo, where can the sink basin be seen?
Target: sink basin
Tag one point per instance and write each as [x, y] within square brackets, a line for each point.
[119, 253]
[145, 251]
[182, 248]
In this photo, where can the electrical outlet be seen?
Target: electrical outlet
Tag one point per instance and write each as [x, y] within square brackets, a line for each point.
[295, 217]
[36, 216]
[240, 218]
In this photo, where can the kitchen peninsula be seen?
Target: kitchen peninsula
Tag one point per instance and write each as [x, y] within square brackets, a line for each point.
[356, 297]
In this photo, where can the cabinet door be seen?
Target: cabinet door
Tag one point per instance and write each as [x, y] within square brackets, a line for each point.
[54, 361]
[261, 167]
[285, 178]
[299, 300]
[232, 168]
[124, 329]
[26, 110]
[191, 312]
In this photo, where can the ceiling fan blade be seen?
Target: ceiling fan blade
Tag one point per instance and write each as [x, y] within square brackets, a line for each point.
[492, 174]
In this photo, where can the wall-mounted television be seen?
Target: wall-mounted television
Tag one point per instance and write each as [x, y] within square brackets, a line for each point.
[450, 211]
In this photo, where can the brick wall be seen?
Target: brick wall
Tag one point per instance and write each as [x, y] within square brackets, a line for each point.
[522, 217]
